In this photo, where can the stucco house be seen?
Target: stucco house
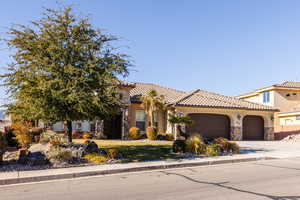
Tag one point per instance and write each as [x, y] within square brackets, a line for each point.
[213, 115]
[283, 96]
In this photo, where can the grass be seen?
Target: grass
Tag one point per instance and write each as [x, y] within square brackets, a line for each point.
[138, 150]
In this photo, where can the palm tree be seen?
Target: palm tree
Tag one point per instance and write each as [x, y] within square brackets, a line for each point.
[152, 103]
[178, 120]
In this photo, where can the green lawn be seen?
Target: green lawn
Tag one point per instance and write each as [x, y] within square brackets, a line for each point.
[138, 150]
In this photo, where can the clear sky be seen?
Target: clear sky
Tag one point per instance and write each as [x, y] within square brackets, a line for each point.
[225, 46]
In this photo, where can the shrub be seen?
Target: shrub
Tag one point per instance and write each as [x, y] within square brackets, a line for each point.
[134, 133]
[178, 146]
[24, 139]
[113, 153]
[195, 144]
[227, 146]
[95, 158]
[161, 137]
[234, 147]
[170, 137]
[151, 133]
[46, 136]
[213, 150]
[36, 131]
[22, 132]
[10, 138]
[76, 135]
[59, 156]
[3, 146]
[87, 135]
[221, 140]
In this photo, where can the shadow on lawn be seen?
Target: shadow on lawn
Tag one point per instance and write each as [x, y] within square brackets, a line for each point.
[146, 153]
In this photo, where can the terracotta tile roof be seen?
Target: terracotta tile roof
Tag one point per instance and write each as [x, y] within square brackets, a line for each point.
[197, 98]
[201, 98]
[288, 84]
[127, 84]
[142, 89]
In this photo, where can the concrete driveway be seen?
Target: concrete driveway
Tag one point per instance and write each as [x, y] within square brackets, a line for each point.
[276, 149]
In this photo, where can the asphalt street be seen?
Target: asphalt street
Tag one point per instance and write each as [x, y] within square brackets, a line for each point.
[269, 179]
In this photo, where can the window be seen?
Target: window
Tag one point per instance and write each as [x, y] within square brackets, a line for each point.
[298, 117]
[266, 97]
[140, 119]
[78, 126]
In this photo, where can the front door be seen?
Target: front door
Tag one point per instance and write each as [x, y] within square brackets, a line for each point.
[113, 127]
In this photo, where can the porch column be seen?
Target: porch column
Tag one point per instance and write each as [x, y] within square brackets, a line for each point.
[99, 129]
[169, 125]
[125, 124]
[236, 128]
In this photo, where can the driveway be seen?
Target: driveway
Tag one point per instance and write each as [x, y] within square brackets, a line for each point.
[276, 149]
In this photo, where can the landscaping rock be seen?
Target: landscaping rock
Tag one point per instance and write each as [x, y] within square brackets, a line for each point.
[79, 150]
[44, 148]
[91, 147]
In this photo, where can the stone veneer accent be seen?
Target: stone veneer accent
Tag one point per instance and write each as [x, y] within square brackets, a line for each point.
[269, 133]
[236, 133]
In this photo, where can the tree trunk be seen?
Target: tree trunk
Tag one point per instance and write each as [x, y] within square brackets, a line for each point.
[69, 130]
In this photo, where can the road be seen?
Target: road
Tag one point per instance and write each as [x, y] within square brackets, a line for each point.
[271, 179]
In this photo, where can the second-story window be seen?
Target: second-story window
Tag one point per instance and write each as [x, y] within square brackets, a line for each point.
[266, 97]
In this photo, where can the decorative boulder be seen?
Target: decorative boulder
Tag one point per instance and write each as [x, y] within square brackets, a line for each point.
[91, 147]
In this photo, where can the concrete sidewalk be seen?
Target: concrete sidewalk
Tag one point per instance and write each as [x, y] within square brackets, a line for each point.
[74, 172]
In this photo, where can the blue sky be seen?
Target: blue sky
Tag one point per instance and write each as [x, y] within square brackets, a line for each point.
[225, 46]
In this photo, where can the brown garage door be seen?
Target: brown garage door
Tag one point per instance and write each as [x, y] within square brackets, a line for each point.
[253, 128]
[210, 125]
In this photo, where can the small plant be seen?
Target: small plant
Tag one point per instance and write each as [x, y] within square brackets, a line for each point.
[179, 146]
[113, 153]
[151, 133]
[95, 158]
[3, 146]
[234, 147]
[134, 133]
[195, 144]
[59, 156]
[227, 146]
[169, 137]
[221, 140]
[87, 135]
[213, 150]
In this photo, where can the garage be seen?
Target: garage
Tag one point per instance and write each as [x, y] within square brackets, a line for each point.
[253, 128]
[210, 125]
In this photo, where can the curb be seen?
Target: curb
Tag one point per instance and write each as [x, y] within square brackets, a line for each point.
[124, 170]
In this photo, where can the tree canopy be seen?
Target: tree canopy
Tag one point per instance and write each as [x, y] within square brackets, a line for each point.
[63, 69]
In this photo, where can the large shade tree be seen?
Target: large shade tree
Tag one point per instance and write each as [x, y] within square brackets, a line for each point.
[63, 70]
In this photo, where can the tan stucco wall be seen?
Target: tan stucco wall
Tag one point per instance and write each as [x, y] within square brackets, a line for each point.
[279, 100]
[161, 117]
[258, 98]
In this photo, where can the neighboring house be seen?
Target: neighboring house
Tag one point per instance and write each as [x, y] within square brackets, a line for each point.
[213, 115]
[283, 96]
[5, 120]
